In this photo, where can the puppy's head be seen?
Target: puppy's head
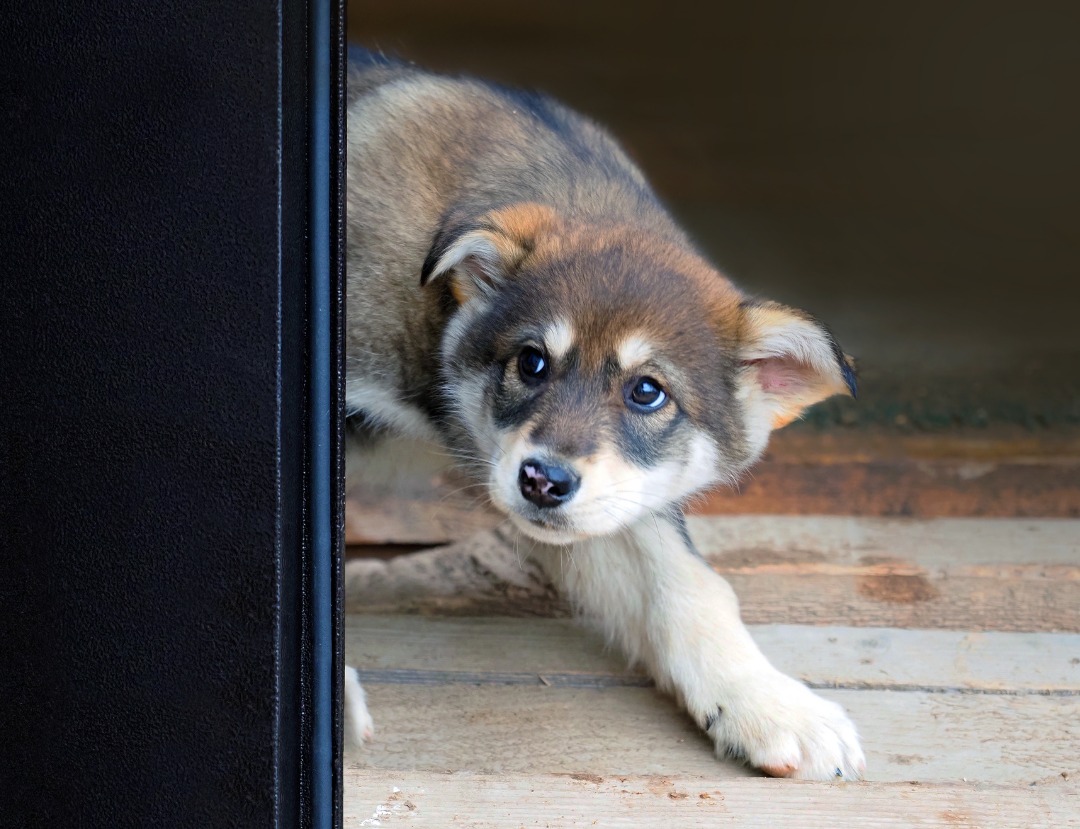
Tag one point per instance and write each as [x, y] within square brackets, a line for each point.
[600, 373]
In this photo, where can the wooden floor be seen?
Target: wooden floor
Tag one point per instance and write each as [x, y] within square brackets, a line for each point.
[953, 643]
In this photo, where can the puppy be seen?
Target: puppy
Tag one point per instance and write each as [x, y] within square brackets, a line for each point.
[519, 299]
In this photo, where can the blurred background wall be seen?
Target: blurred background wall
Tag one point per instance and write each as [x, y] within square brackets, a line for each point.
[906, 171]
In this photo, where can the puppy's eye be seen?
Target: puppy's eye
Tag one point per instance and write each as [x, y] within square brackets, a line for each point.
[645, 394]
[532, 366]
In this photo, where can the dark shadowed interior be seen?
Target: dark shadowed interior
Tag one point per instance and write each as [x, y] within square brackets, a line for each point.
[905, 172]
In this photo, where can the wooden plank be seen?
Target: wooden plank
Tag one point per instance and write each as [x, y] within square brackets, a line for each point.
[894, 659]
[868, 600]
[375, 797]
[888, 600]
[525, 646]
[732, 542]
[523, 696]
[908, 735]
[946, 573]
[863, 473]
[521, 650]
[967, 574]
[421, 517]
[906, 487]
[522, 729]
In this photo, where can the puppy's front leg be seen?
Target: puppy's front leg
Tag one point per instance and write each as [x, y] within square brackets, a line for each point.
[650, 592]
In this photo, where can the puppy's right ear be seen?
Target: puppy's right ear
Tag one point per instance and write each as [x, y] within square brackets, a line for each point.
[479, 255]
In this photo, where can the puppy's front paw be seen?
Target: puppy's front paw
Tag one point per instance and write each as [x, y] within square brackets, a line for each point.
[358, 723]
[783, 728]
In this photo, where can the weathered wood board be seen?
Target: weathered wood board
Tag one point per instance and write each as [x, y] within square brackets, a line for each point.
[517, 696]
[962, 574]
[426, 800]
[842, 657]
[803, 474]
[907, 735]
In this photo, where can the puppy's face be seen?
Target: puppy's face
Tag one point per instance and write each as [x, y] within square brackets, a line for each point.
[599, 375]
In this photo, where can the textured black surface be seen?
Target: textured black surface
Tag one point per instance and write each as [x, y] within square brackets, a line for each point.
[339, 122]
[152, 415]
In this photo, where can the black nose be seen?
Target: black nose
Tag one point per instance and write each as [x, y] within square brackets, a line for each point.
[546, 485]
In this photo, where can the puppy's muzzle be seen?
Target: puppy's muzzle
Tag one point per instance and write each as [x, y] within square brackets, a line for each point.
[547, 485]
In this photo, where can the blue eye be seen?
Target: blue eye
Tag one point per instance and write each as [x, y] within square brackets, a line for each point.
[645, 394]
[532, 366]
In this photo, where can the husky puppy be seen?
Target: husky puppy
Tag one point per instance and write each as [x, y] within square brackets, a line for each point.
[519, 298]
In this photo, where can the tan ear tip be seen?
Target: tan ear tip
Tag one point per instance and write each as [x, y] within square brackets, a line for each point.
[848, 372]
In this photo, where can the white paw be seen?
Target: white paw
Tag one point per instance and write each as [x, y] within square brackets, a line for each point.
[358, 723]
[783, 728]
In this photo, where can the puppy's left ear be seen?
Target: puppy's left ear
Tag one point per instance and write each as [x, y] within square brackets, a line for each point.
[480, 254]
[790, 361]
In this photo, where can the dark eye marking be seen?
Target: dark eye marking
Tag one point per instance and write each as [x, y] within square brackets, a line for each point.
[645, 395]
[532, 366]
